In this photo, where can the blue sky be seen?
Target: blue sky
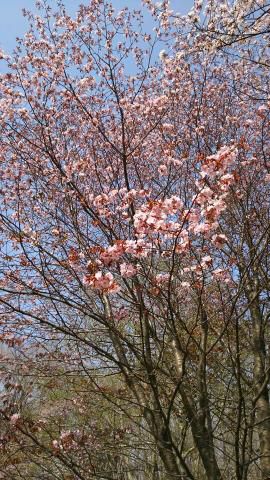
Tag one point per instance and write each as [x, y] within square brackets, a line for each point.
[13, 24]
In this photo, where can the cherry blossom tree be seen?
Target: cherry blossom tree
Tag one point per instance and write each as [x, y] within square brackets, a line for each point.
[135, 243]
[225, 25]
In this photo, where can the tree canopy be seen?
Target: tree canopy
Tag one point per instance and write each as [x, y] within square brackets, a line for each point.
[134, 248]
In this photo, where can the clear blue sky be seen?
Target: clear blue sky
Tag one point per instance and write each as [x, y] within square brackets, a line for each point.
[13, 24]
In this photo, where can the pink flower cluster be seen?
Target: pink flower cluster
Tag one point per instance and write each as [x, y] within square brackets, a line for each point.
[121, 199]
[219, 163]
[153, 216]
[113, 253]
[127, 270]
[211, 200]
[15, 419]
[162, 278]
[159, 219]
[103, 282]
[69, 440]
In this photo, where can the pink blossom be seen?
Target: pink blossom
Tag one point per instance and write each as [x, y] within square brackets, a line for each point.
[185, 284]
[262, 110]
[220, 274]
[102, 281]
[101, 200]
[163, 55]
[204, 196]
[162, 278]
[202, 228]
[218, 163]
[162, 170]
[219, 239]
[225, 181]
[172, 204]
[139, 247]
[55, 445]
[152, 217]
[112, 253]
[193, 219]
[15, 419]
[207, 260]
[130, 246]
[127, 270]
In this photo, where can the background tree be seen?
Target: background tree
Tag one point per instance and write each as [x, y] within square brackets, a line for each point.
[134, 251]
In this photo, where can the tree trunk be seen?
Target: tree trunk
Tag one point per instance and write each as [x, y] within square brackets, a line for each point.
[164, 444]
[207, 453]
[260, 379]
[203, 438]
